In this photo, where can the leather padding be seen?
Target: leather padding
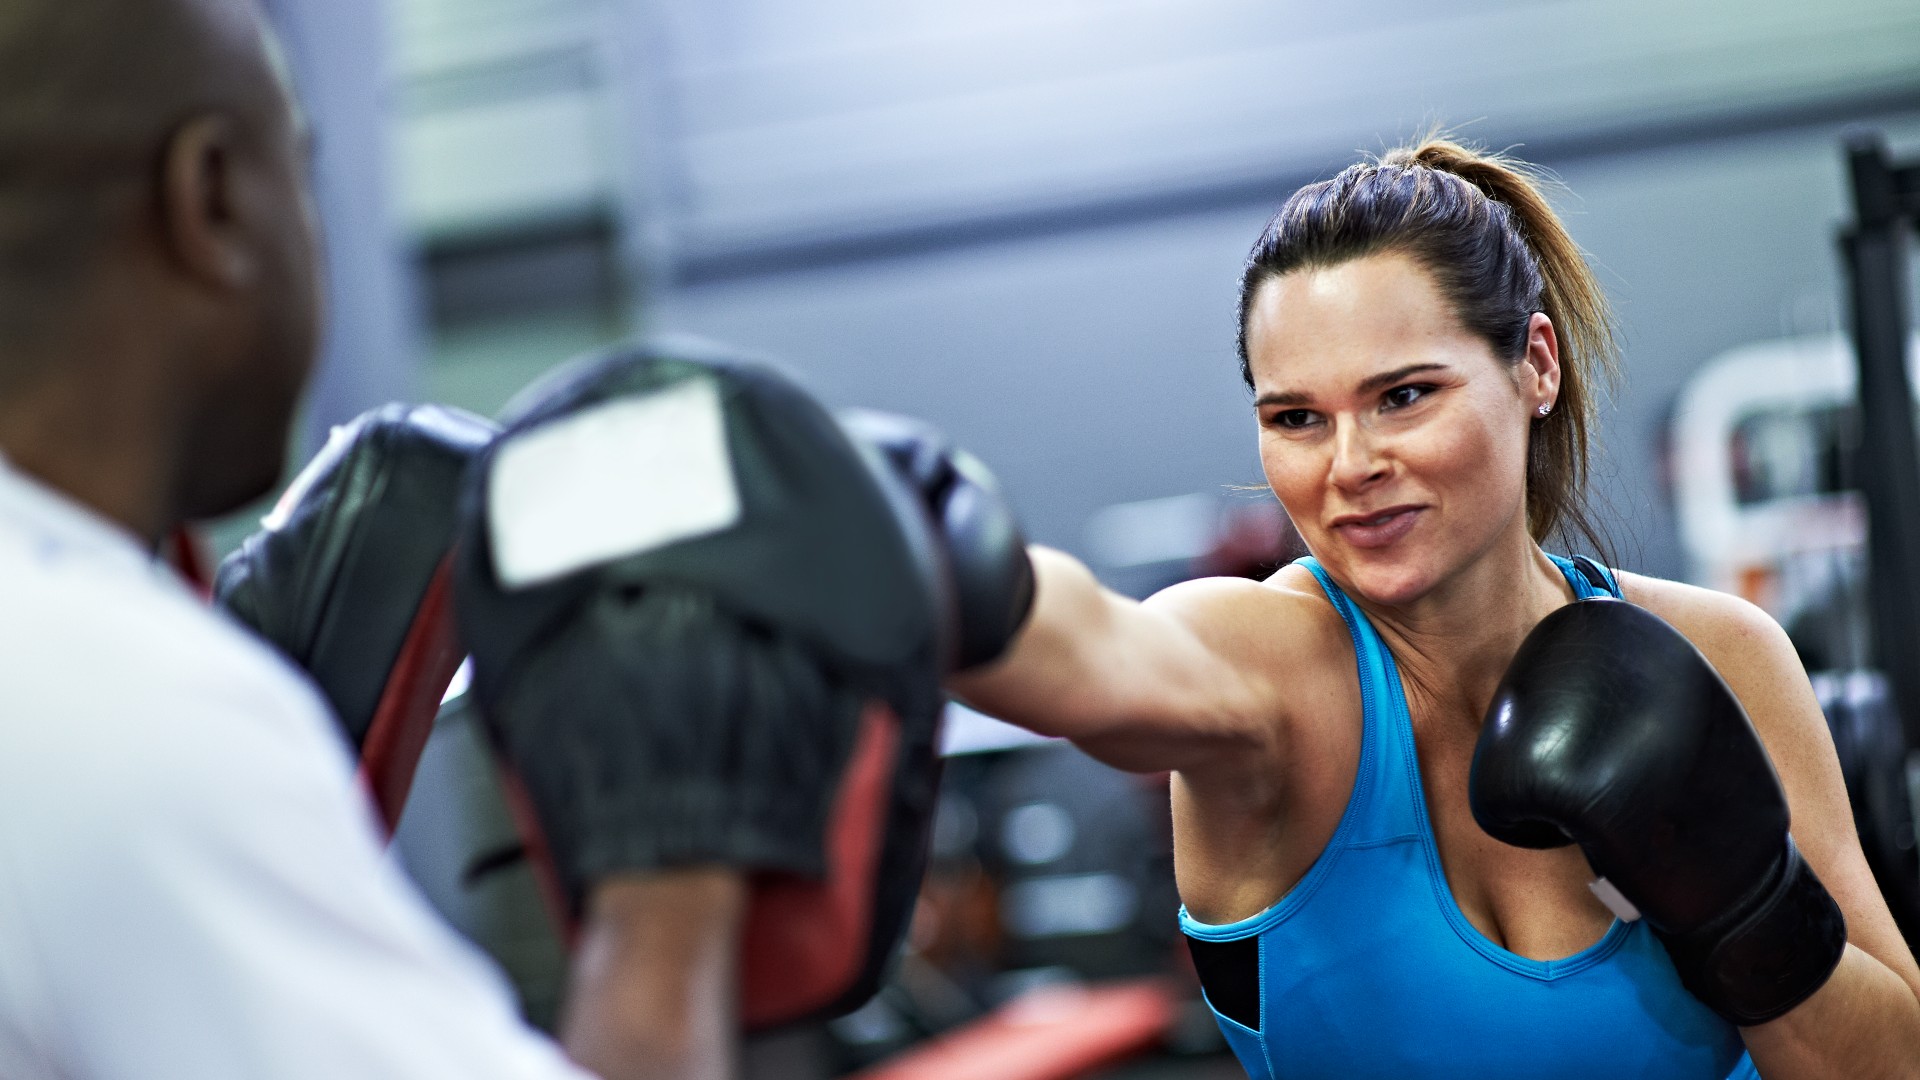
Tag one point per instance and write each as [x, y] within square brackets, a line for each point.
[830, 554]
[342, 580]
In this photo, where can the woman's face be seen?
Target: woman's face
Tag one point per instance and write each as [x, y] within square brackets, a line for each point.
[1395, 439]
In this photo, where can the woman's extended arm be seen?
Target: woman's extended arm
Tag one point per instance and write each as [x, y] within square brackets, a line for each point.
[1865, 1021]
[1143, 686]
[1177, 682]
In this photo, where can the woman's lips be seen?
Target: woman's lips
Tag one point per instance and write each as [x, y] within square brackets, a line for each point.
[1379, 530]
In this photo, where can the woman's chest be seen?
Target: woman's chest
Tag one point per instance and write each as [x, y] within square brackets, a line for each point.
[1535, 903]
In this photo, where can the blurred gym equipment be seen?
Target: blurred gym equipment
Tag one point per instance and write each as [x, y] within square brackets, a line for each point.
[1796, 473]
[1886, 207]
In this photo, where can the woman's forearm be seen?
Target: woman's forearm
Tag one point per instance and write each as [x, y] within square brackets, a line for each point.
[1038, 681]
[1134, 685]
[1863, 1024]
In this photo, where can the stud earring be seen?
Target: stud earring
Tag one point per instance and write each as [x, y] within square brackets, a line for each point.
[1544, 410]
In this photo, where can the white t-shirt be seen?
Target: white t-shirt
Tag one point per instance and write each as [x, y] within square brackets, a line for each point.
[191, 883]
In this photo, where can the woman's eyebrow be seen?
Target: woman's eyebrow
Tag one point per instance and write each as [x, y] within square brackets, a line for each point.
[1287, 398]
[1388, 378]
[1291, 398]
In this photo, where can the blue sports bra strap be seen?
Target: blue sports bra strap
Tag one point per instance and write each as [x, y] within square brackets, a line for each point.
[1382, 805]
[1599, 576]
[1358, 628]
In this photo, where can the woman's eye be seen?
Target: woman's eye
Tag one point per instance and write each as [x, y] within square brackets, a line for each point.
[1292, 418]
[1402, 396]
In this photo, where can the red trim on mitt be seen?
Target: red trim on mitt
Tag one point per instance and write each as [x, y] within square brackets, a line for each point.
[805, 942]
[421, 673]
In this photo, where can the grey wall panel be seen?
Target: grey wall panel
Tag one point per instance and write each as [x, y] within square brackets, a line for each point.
[1706, 248]
[1096, 367]
[1087, 369]
[764, 125]
[798, 122]
[338, 51]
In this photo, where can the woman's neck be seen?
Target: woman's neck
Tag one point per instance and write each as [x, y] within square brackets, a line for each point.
[1454, 643]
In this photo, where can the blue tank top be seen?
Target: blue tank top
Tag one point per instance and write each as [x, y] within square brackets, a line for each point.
[1367, 968]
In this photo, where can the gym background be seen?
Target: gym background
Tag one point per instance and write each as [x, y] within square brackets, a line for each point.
[1024, 220]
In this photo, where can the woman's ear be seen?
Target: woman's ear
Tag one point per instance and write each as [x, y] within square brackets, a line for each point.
[1539, 369]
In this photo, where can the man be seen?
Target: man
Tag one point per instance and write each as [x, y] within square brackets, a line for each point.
[189, 881]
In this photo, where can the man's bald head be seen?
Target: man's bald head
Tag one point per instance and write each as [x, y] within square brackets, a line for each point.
[90, 91]
[158, 263]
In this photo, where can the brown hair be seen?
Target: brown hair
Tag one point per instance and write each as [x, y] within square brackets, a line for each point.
[1479, 223]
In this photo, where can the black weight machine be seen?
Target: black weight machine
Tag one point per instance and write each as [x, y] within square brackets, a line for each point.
[1877, 735]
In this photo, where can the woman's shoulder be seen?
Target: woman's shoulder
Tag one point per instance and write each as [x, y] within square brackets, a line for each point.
[1717, 623]
[1285, 637]
[1752, 653]
[1256, 621]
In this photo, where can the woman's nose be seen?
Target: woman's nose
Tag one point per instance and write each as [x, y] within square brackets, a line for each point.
[1357, 460]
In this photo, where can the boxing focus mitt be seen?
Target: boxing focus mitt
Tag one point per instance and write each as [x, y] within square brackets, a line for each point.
[706, 628]
[348, 577]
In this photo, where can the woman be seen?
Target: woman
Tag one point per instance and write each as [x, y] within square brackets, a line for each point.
[1422, 339]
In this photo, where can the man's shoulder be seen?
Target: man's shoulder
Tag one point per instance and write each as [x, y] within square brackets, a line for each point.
[87, 655]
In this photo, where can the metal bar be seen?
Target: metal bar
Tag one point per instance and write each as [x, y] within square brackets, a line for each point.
[1888, 462]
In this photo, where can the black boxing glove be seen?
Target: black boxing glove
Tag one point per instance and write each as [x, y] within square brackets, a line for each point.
[986, 551]
[1612, 731]
[348, 578]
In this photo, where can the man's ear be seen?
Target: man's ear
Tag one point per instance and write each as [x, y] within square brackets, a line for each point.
[200, 204]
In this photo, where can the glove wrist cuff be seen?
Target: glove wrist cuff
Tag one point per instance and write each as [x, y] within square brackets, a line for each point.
[991, 618]
[1768, 955]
